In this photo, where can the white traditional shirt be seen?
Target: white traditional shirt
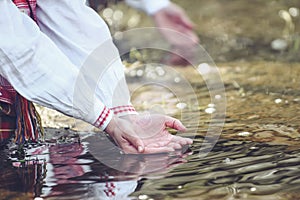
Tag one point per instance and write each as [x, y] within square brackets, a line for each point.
[68, 61]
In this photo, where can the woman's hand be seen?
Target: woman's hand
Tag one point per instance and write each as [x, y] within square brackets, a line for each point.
[147, 133]
[123, 133]
[178, 30]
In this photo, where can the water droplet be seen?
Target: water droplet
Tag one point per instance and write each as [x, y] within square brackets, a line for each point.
[210, 110]
[181, 105]
[143, 196]
[118, 15]
[227, 160]
[160, 71]
[133, 21]
[132, 73]
[218, 96]
[252, 189]
[285, 15]
[244, 134]
[139, 72]
[179, 186]
[177, 79]
[278, 101]
[211, 105]
[204, 68]
[279, 44]
[294, 11]
[107, 13]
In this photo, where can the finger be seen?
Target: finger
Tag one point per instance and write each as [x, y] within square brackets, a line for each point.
[185, 21]
[175, 145]
[162, 140]
[181, 140]
[174, 123]
[181, 17]
[149, 150]
[129, 149]
[135, 141]
[125, 145]
[172, 144]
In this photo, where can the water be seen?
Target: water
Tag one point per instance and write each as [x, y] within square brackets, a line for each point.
[257, 155]
[232, 170]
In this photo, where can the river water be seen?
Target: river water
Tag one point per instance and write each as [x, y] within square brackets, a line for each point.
[256, 157]
[247, 150]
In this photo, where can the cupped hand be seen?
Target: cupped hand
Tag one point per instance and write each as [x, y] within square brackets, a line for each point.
[147, 133]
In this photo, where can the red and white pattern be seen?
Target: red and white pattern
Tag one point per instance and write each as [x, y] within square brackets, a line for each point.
[124, 110]
[110, 188]
[24, 7]
[102, 119]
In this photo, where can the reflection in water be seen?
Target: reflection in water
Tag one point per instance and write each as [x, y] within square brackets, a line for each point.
[233, 170]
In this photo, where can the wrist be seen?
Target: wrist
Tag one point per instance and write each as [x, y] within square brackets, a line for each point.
[109, 129]
[151, 7]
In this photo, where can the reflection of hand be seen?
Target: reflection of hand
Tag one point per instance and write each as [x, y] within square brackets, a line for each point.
[126, 166]
[147, 133]
[182, 38]
[151, 163]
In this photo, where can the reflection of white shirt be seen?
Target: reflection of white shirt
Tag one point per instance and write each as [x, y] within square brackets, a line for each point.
[113, 190]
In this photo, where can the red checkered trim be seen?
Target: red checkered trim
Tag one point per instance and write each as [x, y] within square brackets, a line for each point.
[102, 118]
[123, 109]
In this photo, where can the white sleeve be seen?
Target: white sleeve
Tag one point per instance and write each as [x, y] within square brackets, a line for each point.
[86, 40]
[148, 6]
[40, 72]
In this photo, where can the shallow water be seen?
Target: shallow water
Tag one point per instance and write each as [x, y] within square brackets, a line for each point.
[256, 157]
[232, 170]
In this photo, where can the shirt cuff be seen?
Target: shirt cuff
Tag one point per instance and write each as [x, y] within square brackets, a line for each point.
[103, 119]
[124, 110]
[153, 6]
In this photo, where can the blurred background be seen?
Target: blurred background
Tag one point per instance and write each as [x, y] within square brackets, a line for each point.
[230, 30]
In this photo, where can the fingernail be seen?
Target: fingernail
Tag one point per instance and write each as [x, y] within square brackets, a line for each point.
[140, 149]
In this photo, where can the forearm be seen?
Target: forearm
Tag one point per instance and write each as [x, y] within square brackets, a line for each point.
[85, 39]
[39, 71]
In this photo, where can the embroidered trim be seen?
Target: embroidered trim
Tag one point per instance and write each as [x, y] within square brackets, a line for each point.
[121, 109]
[102, 118]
